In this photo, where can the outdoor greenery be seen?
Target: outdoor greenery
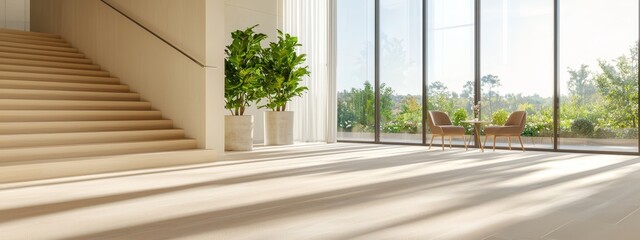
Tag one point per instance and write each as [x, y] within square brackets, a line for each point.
[600, 103]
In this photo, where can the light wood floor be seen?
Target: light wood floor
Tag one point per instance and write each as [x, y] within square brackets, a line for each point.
[341, 191]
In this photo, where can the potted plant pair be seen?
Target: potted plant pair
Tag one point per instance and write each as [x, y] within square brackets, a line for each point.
[270, 75]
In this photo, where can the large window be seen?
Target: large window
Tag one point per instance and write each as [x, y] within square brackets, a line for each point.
[598, 75]
[572, 65]
[451, 54]
[517, 66]
[401, 70]
[355, 72]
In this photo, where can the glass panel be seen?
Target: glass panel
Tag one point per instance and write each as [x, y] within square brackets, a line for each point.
[355, 70]
[598, 75]
[517, 67]
[450, 62]
[401, 71]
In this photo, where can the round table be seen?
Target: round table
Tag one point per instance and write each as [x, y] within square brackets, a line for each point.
[477, 124]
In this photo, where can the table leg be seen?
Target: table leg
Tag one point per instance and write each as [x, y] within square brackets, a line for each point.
[476, 127]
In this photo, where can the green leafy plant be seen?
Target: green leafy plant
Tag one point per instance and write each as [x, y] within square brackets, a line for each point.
[499, 117]
[461, 115]
[243, 70]
[582, 127]
[283, 72]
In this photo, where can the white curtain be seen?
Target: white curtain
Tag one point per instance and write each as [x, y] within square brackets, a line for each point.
[315, 111]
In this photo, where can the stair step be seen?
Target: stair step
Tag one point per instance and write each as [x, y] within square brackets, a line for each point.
[93, 150]
[57, 77]
[31, 41]
[40, 85]
[34, 69]
[28, 33]
[30, 104]
[76, 115]
[31, 37]
[27, 56]
[40, 52]
[38, 47]
[56, 139]
[47, 169]
[82, 126]
[36, 63]
[67, 95]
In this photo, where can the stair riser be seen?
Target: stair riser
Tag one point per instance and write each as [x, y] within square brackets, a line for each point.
[38, 47]
[36, 63]
[67, 127]
[29, 104]
[48, 70]
[53, 116]
[40, 52]
[28, 33]
[38, 85]
[44, 58]
[57, 139]
[57, 78]
[75, 151]
[38, 38]
[38, 42]
[67, 95]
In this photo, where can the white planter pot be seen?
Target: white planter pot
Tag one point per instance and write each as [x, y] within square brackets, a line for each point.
[238, 133]
[278, 128]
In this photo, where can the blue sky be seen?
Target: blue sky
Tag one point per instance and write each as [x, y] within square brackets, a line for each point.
[517, 41]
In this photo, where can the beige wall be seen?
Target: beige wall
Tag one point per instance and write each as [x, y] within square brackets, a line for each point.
[240, 14]
[14, 14]
[185, 92]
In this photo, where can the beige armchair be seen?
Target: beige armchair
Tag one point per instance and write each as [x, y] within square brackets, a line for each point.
[512, 128]
[441, 125]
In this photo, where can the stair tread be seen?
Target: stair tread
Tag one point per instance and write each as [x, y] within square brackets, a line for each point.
[29, 33]
[43, 57]
[83, 126]
[54, 139]
[37, 46]
[62, 86]
[57, 77]
[91, 150]
[34, 41]
[52, 70]
[31, 37]
[67, 95]
[66, 167]
[76, 115]
[39, 63]
[35, 104]
[41, 52]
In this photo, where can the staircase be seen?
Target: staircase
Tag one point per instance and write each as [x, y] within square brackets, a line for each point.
[61, 115]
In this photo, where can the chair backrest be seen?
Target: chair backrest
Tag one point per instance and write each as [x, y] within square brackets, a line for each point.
[436, 119]
[440, 118]
[517, 118]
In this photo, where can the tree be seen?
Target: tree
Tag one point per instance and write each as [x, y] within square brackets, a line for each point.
[409, 120]
[489, 95]
[618, 85]
[439, 98]
[581, 86]
[356, 108]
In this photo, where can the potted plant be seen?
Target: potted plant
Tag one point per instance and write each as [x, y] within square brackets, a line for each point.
[243, 74]
[283, 73]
